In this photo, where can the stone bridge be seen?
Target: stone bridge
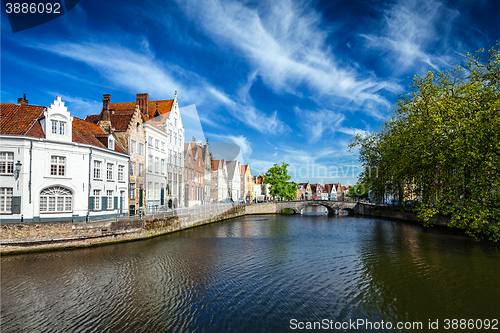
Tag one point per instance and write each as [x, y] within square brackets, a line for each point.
[330, 205]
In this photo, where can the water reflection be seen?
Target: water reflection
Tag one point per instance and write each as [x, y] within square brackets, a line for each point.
[255, 274]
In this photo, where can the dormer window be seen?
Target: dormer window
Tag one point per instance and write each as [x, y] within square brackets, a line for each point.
[58, 124]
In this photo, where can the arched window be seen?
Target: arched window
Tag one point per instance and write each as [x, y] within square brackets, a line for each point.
[56, 199]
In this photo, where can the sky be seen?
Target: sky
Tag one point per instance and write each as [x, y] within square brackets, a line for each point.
[287, 81]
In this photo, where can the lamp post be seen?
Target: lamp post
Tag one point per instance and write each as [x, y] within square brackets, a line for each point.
[17, 170]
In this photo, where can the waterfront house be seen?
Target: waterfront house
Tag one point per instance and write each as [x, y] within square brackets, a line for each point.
[233, 179]
[219, 188]
[56, 167]
[194, 173]
[154, 133]
[247, 183]
[331, 190]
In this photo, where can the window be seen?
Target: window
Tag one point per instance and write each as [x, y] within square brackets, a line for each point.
[141, 149]
[111, 143]
[157, 144]
[150, 189]
[62, 126]
[132, 168]
[56, 199]
[170, 136]
[110, 199]
[97, 169]
[6, 163]
[175, 138]
[170, 156]
[157, 163]
[150, 163]
[54, 126]
[109, 175]
[5, 200]
[121, 169]
[163, 146]
[141, 170]
[132, 191]
[162, 166]
[156, 191]
[132, 147]
[57, 165]
[150, 141]
[97, 199]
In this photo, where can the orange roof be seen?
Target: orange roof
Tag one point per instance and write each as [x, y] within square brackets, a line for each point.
[243, 169]
[25, 120]
[21, 119]
[87, 132]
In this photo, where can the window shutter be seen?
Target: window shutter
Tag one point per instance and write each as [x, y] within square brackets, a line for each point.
[91, 203]
[104, 203]
[116, 203]
[16, 205]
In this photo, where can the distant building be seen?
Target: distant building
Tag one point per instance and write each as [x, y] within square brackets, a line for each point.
[247, 183]
[219, 187]
[233, 179]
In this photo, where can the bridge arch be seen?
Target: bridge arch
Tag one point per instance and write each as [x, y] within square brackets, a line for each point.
[330, 205]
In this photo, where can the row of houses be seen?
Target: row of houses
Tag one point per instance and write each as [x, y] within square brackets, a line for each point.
[316, 191]
[129, 158]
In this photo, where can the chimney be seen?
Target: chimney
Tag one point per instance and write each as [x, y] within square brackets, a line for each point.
[106, 100]
[143, 101]
[22, 101]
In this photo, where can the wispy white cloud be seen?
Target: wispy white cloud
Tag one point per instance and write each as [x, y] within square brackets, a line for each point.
[139, 70]
[285, 42]
[415, 32]
[250, 115]
[318, 124]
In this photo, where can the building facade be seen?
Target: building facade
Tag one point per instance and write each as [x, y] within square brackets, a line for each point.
[67, 169]
[233, 179]
[247, 183]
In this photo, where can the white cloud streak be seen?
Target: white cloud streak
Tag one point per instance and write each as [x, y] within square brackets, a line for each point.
[285, 44]
[411, 28]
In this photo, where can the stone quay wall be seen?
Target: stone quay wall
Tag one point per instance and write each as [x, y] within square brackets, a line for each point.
[24, 237]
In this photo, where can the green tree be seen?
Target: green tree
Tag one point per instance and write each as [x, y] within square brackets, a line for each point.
[442, 147]
[277, 177]
[359, 191]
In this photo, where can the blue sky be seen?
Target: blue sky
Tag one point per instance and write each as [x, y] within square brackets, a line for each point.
[285, 80]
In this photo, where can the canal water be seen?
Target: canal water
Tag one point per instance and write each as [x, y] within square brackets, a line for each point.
[267, 273]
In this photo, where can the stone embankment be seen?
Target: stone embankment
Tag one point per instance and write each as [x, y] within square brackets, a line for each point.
[21, 237]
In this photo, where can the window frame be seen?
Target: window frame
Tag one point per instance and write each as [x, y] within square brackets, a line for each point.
[6, 200]
[97, 170]
[7, 163]
[55, 169]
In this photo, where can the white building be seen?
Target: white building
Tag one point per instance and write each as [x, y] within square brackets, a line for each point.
[219, 186]
[234, 179]
[163, 151]
[69, 169]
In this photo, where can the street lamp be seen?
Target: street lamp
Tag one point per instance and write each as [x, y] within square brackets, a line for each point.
[17, 170]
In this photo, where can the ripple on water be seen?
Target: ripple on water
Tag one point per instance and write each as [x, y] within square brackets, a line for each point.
[253, 274]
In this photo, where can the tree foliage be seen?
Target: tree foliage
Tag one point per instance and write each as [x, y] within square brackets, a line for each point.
[277, 176]
[442, 147]
[359, 191]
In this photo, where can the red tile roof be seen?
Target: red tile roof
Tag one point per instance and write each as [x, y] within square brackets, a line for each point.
[329, 187]
[243, 169]
[20, 119]
[87, 132]
[25, 120]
